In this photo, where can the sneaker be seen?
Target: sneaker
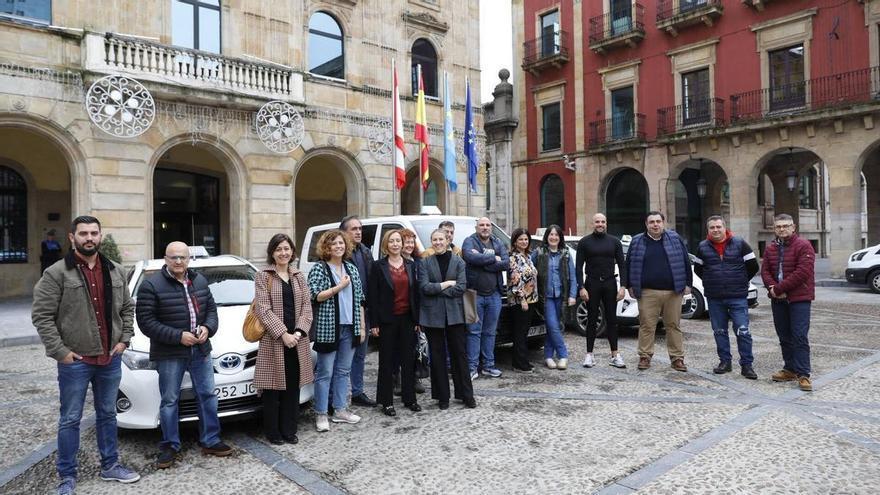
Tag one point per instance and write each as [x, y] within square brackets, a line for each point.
[722, 368]
[589, 362]
[346, 416]
[322, 423]
[804, 383]
[67, 486]
[492, 372]
[363, 400]
[166, 458]
[219, 449]
[562, 364]
[749, 372]
[474, 375]
[644, 362]
[784, 375]
[550, 363]
[120, 473]
[678, 365]
[617, 361]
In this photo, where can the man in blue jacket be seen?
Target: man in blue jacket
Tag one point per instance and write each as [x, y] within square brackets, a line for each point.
[726, 263]
[658, 272]
[486, 258]
[176, 310]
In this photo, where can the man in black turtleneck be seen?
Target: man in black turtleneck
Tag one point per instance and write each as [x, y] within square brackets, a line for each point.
[596, 255]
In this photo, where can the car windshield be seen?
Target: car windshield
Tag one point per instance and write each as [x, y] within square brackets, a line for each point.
[230, 285]
[463, 228]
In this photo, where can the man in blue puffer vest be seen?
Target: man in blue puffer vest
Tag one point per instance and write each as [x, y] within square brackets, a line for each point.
[659, 274]
[726, 263]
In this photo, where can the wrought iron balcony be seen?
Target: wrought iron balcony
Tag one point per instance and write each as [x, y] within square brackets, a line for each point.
[697, 114]
[547, 50]
[151, 61]
[621, 130]
[673, 15]
[622, 27]
[844, 89]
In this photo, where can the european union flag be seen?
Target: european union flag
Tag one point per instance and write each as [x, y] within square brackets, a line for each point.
[470, 141]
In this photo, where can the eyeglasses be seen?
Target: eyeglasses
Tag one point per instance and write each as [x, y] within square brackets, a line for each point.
[783, 227]
[177, 259]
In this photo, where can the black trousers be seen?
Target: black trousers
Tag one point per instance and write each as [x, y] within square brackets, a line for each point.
[520, 330]
[453, 337]
[397, 345]
[602, 292]
[281, 407]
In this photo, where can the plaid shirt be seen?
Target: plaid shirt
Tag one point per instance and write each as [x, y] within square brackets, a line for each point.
[325, 328]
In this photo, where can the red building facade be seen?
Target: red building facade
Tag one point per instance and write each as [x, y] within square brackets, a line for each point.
[744, 108]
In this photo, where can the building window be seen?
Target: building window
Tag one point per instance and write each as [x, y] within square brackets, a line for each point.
[550, 30]
[807, 190]
[423, 54]
[326, 52]
[28, 10]
[787, 88]
[552, 201]
[13, 217]
[695, 97]
[196, 24]
[688, 5]
[621, 16]
[622, 113]
[551, 138]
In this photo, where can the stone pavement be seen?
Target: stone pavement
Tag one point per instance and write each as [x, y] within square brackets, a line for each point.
[600, 430]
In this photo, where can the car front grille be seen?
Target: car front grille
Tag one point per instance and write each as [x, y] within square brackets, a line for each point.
[189, 408]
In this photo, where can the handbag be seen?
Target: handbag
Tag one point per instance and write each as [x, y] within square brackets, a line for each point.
[422, 367]
[470, 307]
[253, 330]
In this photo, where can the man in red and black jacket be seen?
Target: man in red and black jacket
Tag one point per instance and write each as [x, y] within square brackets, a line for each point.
[788, 272]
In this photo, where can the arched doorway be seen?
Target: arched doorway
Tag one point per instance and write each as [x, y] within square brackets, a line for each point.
[870, 193]
[325, 190]
[552, 201]
[701, 190]
[626, 202]
[435, 194]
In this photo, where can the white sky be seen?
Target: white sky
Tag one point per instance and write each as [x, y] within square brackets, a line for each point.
[496, 48]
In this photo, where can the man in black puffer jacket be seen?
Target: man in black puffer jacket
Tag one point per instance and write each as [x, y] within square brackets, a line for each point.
[176, 311]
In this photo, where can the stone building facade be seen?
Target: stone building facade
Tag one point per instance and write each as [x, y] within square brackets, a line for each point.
[200, 171]
[743, 108]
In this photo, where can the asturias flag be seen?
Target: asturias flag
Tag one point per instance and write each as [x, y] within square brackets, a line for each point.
[449, 142]
[399, 144]
[421, 134]
[470, 140]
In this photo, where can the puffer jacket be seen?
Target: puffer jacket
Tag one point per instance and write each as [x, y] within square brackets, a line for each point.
[798, 268]
[163, 314]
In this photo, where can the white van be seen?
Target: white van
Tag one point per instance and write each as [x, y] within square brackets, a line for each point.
[864, 268]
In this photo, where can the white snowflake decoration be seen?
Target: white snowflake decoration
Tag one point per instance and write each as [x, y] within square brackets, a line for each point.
[280, 127]
[120, 106]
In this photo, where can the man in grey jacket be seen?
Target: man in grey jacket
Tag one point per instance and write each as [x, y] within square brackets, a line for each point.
[83, 312]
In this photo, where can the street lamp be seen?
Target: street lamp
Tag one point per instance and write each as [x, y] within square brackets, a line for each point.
[701, 187]
[792, 175]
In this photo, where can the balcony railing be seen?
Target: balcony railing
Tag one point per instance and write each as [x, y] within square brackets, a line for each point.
[697, 114]
[672, 17]
[847, 88]
[618, 27]
[549, 49]
[148, 60]
[619, 130]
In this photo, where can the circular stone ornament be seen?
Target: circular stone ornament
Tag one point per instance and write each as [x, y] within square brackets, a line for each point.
[120, 106]
[379, 138]
[280, 127]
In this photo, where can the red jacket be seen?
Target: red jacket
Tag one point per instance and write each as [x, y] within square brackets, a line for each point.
[798, 269]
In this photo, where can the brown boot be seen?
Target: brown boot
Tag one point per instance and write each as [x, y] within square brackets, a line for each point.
[644, 362]
[784, 375]
[804, 383]
[678, 364]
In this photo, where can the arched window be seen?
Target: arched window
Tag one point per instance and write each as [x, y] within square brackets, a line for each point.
[552, 201]
[326, 53]
[423, 53]
[13, 217]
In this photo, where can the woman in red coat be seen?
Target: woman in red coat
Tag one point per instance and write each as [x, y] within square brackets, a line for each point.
[284, 358]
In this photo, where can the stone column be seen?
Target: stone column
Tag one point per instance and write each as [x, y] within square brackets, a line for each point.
[499, 125]
[846, 210]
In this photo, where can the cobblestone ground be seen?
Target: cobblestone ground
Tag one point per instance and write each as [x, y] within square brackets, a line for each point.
[599, 430]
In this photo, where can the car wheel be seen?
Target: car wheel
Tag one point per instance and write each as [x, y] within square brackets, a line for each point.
[582, 316]
[874, 281]
[694, 307]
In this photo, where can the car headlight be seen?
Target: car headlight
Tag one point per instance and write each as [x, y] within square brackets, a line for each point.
[136, 360]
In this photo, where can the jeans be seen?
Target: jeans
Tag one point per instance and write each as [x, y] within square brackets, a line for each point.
[357, 367]
[335, 365]
[73, 382]
[201, 373]
[553, 341]
[481, 335]
[721, 311]
[792, 322]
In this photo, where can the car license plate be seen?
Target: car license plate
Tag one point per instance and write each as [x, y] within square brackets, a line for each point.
[233, 390]
[537, 330]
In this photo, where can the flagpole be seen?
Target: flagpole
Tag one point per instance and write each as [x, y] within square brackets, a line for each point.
[394, 210]
[446, 89]
[467, 82]
[421, 165]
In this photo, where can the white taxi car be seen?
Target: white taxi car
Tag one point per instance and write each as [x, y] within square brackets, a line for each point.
[231, 280]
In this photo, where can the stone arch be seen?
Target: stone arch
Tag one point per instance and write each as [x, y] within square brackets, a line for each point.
[868, 167]
[686, 209]
[627, 219]
[436, 176]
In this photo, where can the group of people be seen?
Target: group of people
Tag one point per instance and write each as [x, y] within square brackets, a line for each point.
[84, 315]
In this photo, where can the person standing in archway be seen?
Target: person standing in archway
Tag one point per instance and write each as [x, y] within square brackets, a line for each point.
[50, 251]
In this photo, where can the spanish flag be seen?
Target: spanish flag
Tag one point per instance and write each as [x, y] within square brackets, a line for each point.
[421, 134]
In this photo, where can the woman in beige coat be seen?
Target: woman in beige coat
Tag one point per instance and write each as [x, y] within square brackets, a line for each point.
[284, 358]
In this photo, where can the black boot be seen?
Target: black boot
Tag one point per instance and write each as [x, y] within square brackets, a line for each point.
[722, 368]
[749, 372]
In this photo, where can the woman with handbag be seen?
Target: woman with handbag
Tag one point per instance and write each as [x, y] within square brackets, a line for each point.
[556, 284]
[442, 284]
[522, 295]
[339, 327]
[284, 358]
[393, 302]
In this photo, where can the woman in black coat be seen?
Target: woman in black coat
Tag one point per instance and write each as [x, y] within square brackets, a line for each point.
[394, 302]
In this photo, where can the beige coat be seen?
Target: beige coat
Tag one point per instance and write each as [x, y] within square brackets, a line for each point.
[269, 372]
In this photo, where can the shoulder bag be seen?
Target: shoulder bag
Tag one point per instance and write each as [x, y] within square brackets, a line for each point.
[253, 330]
